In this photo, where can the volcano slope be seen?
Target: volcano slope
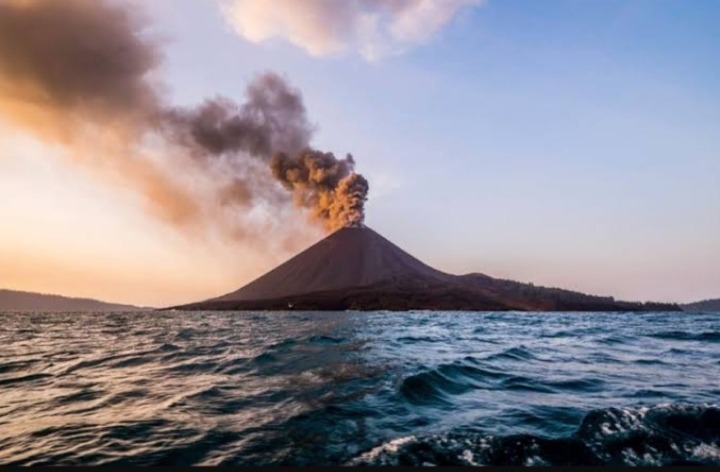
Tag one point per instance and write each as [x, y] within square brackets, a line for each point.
[355, 268]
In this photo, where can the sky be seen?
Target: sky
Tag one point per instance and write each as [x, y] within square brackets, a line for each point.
[571, 143]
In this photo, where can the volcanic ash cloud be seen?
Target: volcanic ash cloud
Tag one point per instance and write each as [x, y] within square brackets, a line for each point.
[329, 186]
[83, 74]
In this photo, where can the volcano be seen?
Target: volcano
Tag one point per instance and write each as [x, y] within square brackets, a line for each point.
[355, 268]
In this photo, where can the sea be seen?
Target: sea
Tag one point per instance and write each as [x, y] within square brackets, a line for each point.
[359, 388]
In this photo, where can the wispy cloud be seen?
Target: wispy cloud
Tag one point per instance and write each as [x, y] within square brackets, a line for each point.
[372, 28]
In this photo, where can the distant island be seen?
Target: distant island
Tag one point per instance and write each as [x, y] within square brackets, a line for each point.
[11, 300]
[357, 269]
[711, 306]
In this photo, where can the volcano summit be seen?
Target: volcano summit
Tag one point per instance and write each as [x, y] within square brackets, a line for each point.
[355, 268]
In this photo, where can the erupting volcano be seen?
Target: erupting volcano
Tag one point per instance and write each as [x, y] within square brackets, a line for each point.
[355, 268]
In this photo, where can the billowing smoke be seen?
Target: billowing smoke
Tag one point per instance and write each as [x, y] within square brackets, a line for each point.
[327, 185]
[76, 56]
[272, 119]
[81, 73]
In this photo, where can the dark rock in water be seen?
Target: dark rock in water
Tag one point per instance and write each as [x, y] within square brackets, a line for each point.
[357, 269]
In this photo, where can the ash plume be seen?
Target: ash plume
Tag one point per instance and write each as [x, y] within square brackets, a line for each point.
[75, 60]
[272, 118]
[327, 185]
[83, 74]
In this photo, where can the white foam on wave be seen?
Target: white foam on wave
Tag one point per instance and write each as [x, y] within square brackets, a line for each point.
[627, 419]
[706, 451]
[469, 457]
[388, 447]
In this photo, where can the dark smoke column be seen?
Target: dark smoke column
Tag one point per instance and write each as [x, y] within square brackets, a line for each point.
[78, 73]
[272, 126]
[327, 185]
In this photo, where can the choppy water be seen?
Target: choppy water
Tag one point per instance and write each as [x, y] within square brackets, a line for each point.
[359, 388]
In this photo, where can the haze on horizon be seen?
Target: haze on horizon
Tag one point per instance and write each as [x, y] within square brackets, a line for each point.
[570, 144]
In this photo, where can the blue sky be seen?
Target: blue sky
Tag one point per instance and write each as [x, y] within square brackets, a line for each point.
[570, 143]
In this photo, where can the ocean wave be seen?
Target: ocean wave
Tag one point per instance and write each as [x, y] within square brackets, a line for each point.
[665, 435]
[434, 385]
[708, 336]
[334, 388]
[437, 385]
[520, 353]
